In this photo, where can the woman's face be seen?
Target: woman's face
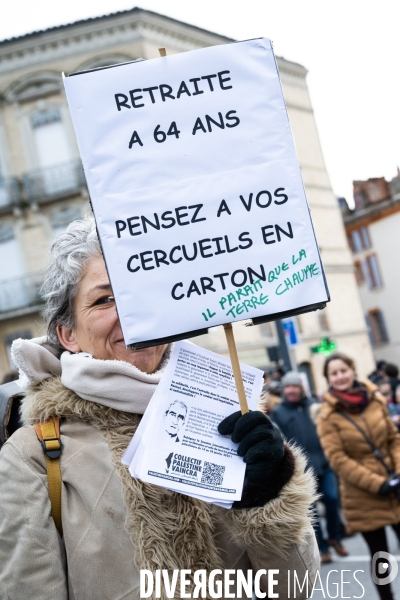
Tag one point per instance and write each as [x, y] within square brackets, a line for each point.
[97, 329]
[340, 376]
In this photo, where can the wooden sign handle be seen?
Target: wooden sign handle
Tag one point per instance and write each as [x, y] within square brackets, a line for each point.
[236, 368]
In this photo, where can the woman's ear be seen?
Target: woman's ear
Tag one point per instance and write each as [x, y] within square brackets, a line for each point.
[67, 338]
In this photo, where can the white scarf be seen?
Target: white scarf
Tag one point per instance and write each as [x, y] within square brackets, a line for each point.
[113, 383]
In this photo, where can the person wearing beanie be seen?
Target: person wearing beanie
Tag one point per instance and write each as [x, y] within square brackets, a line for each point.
[292, 378]
[293, 418]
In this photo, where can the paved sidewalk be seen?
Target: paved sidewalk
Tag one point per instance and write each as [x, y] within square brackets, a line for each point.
[359, 560]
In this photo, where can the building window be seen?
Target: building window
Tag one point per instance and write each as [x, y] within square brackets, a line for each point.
[365, 240]
[355, 241]
[372, 272]
[358, 269]
[45, 117]
[360, 240]
[51, 139]
[377, 327]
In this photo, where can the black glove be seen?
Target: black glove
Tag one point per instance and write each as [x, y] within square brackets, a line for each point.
[260, 443]
[391, 485]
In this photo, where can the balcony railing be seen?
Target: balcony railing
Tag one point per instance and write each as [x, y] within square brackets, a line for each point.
[42, 185]
[10, 194]
[45, 184]
[20, 292]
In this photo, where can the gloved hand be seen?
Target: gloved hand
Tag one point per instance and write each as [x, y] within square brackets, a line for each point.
[391, 485]
[260, 443]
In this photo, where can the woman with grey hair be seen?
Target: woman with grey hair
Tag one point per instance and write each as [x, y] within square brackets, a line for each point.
[114, 526]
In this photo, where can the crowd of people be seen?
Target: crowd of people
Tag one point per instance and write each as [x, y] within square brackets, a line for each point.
[350, 436]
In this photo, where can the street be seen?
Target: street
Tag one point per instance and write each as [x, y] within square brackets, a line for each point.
[358, 560]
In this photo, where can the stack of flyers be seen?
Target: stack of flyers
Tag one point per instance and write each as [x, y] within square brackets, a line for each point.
[177, 445]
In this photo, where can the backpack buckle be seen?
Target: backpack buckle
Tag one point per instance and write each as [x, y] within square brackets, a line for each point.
[52, 447]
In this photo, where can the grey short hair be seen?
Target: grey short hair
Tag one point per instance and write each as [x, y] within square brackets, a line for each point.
[182, 404]
[69, 256]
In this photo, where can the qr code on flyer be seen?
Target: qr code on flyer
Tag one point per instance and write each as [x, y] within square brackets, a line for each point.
[212, 474]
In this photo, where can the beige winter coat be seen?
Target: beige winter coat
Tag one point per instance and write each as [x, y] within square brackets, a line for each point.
[360, 473]
[115, 525]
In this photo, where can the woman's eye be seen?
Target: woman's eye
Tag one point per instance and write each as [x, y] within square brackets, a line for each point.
[105, 300]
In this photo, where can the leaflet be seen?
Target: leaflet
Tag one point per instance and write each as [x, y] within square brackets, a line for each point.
[177, 444]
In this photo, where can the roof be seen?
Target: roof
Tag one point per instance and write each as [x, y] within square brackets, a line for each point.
[371, 213]
[132, 11]
[109, 16]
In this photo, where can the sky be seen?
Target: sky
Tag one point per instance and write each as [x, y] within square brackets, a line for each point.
[351, 49]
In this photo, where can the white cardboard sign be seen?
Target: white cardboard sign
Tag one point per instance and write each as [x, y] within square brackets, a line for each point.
[196, 190]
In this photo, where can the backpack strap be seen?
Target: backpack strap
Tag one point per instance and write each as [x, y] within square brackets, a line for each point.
[48, 434]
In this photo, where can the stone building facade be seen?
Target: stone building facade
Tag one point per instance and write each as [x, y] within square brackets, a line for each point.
[42, 186]
[373, 232]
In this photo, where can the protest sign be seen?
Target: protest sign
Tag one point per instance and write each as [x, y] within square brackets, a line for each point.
[197, 191]
[177, 444]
